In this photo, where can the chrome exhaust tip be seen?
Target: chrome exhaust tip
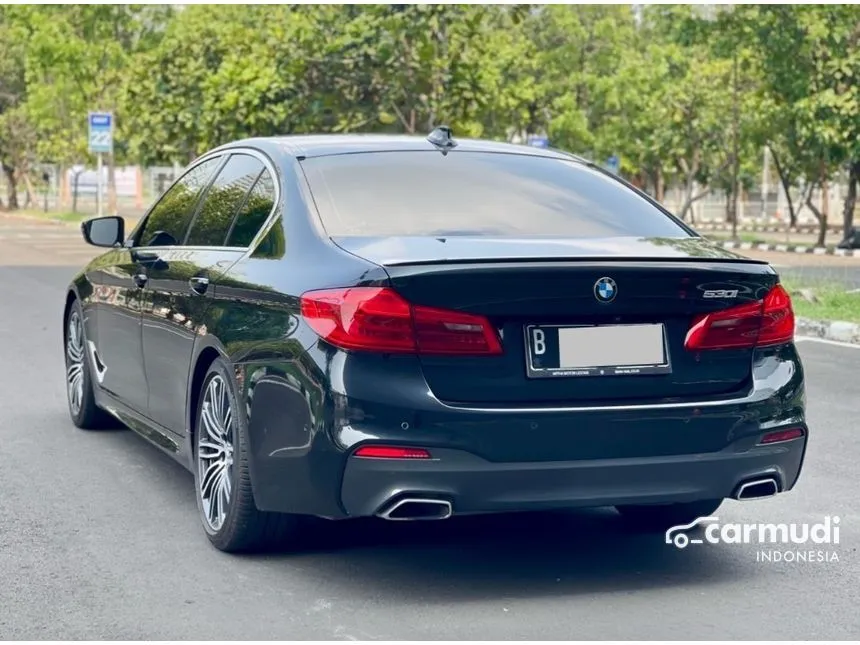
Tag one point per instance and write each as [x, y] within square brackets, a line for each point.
[417, 509]
[757, 489]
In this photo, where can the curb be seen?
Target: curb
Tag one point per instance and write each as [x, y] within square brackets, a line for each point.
[789, 248]
[837, 330]
[805, 230]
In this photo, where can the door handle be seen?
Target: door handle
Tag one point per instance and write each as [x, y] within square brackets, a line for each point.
[140, 279]
[198, 284]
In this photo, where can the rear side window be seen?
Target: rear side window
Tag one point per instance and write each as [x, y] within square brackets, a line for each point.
[475, 193]
[223, 200]
[168, 221]
[254, 211]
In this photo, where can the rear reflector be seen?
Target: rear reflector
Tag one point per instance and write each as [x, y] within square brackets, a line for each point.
[379, 319]
[767, 322]
[391, 452]
[782, 435]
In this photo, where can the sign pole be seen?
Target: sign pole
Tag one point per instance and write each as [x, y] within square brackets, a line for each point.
[100, 142]
[99, 186]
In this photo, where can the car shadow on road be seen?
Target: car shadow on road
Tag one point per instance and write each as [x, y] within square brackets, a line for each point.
[506, 556]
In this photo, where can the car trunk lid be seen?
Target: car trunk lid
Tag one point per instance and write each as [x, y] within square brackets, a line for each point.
[520, 286]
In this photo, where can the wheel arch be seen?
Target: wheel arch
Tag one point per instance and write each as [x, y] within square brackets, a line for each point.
[71, 296]
[204, 357]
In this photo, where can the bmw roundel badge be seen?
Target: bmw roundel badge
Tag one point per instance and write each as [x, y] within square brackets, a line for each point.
[605, 290]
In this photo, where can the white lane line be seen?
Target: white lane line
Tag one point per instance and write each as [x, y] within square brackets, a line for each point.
[835, 343]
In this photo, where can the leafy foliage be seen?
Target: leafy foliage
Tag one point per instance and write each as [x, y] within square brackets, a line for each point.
[684, 95]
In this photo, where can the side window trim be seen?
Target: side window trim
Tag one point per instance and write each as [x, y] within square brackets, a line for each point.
[268, 165]
[203, 193]
[242, 206]
[133, 242]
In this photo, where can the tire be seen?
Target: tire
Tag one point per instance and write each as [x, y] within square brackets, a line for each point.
[221, 463]
[662, 517]
[83, 410]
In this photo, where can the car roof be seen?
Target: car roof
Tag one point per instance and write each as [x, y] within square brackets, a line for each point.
[319, 145]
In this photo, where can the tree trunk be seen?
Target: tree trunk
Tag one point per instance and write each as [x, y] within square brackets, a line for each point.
[820, 215]
[12, 182]
[690, 170]
[659, 185]
[850, 199]
[31, 190]
[691, 199]
[75, 177]
[733, 209]
[825, 197]
[729, 202]
[29, 196]
[785, 180]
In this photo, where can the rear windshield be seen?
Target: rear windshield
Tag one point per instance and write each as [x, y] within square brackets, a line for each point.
[474, 193]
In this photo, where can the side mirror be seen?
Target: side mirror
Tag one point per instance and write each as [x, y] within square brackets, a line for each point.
[104, 231]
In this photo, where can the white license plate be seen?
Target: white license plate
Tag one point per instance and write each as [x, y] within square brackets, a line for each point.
[604, 350]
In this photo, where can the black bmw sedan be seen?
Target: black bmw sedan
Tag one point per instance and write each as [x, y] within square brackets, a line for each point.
[414, 328]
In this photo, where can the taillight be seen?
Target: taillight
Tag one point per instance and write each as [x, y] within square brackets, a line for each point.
[378, 319]
[777, 326]
[767, 322]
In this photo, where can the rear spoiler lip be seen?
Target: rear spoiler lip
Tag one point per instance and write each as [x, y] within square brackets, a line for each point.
[601, 259]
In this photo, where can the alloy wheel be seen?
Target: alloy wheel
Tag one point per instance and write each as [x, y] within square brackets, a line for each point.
[75, 363]
[215, 452]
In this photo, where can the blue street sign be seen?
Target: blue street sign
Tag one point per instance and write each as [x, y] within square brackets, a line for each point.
[613, 164]
[100, 132]
[538, 142]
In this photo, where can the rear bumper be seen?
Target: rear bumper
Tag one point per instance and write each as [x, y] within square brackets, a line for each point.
[303, 430]
[474, 485]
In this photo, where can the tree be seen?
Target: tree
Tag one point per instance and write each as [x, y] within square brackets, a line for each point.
[666, 107]
[811, 59]
[76, 62]
[684, 98]
[581, 52]
[16, 136]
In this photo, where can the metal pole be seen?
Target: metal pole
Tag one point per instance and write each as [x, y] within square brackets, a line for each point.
[99, 185]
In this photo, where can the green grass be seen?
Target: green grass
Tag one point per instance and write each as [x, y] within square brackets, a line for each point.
[742, 237]
[70, 217]
[63, 216]
[834, 303]
[753, 238]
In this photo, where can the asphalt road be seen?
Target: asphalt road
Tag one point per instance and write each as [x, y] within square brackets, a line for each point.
[99, 538]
